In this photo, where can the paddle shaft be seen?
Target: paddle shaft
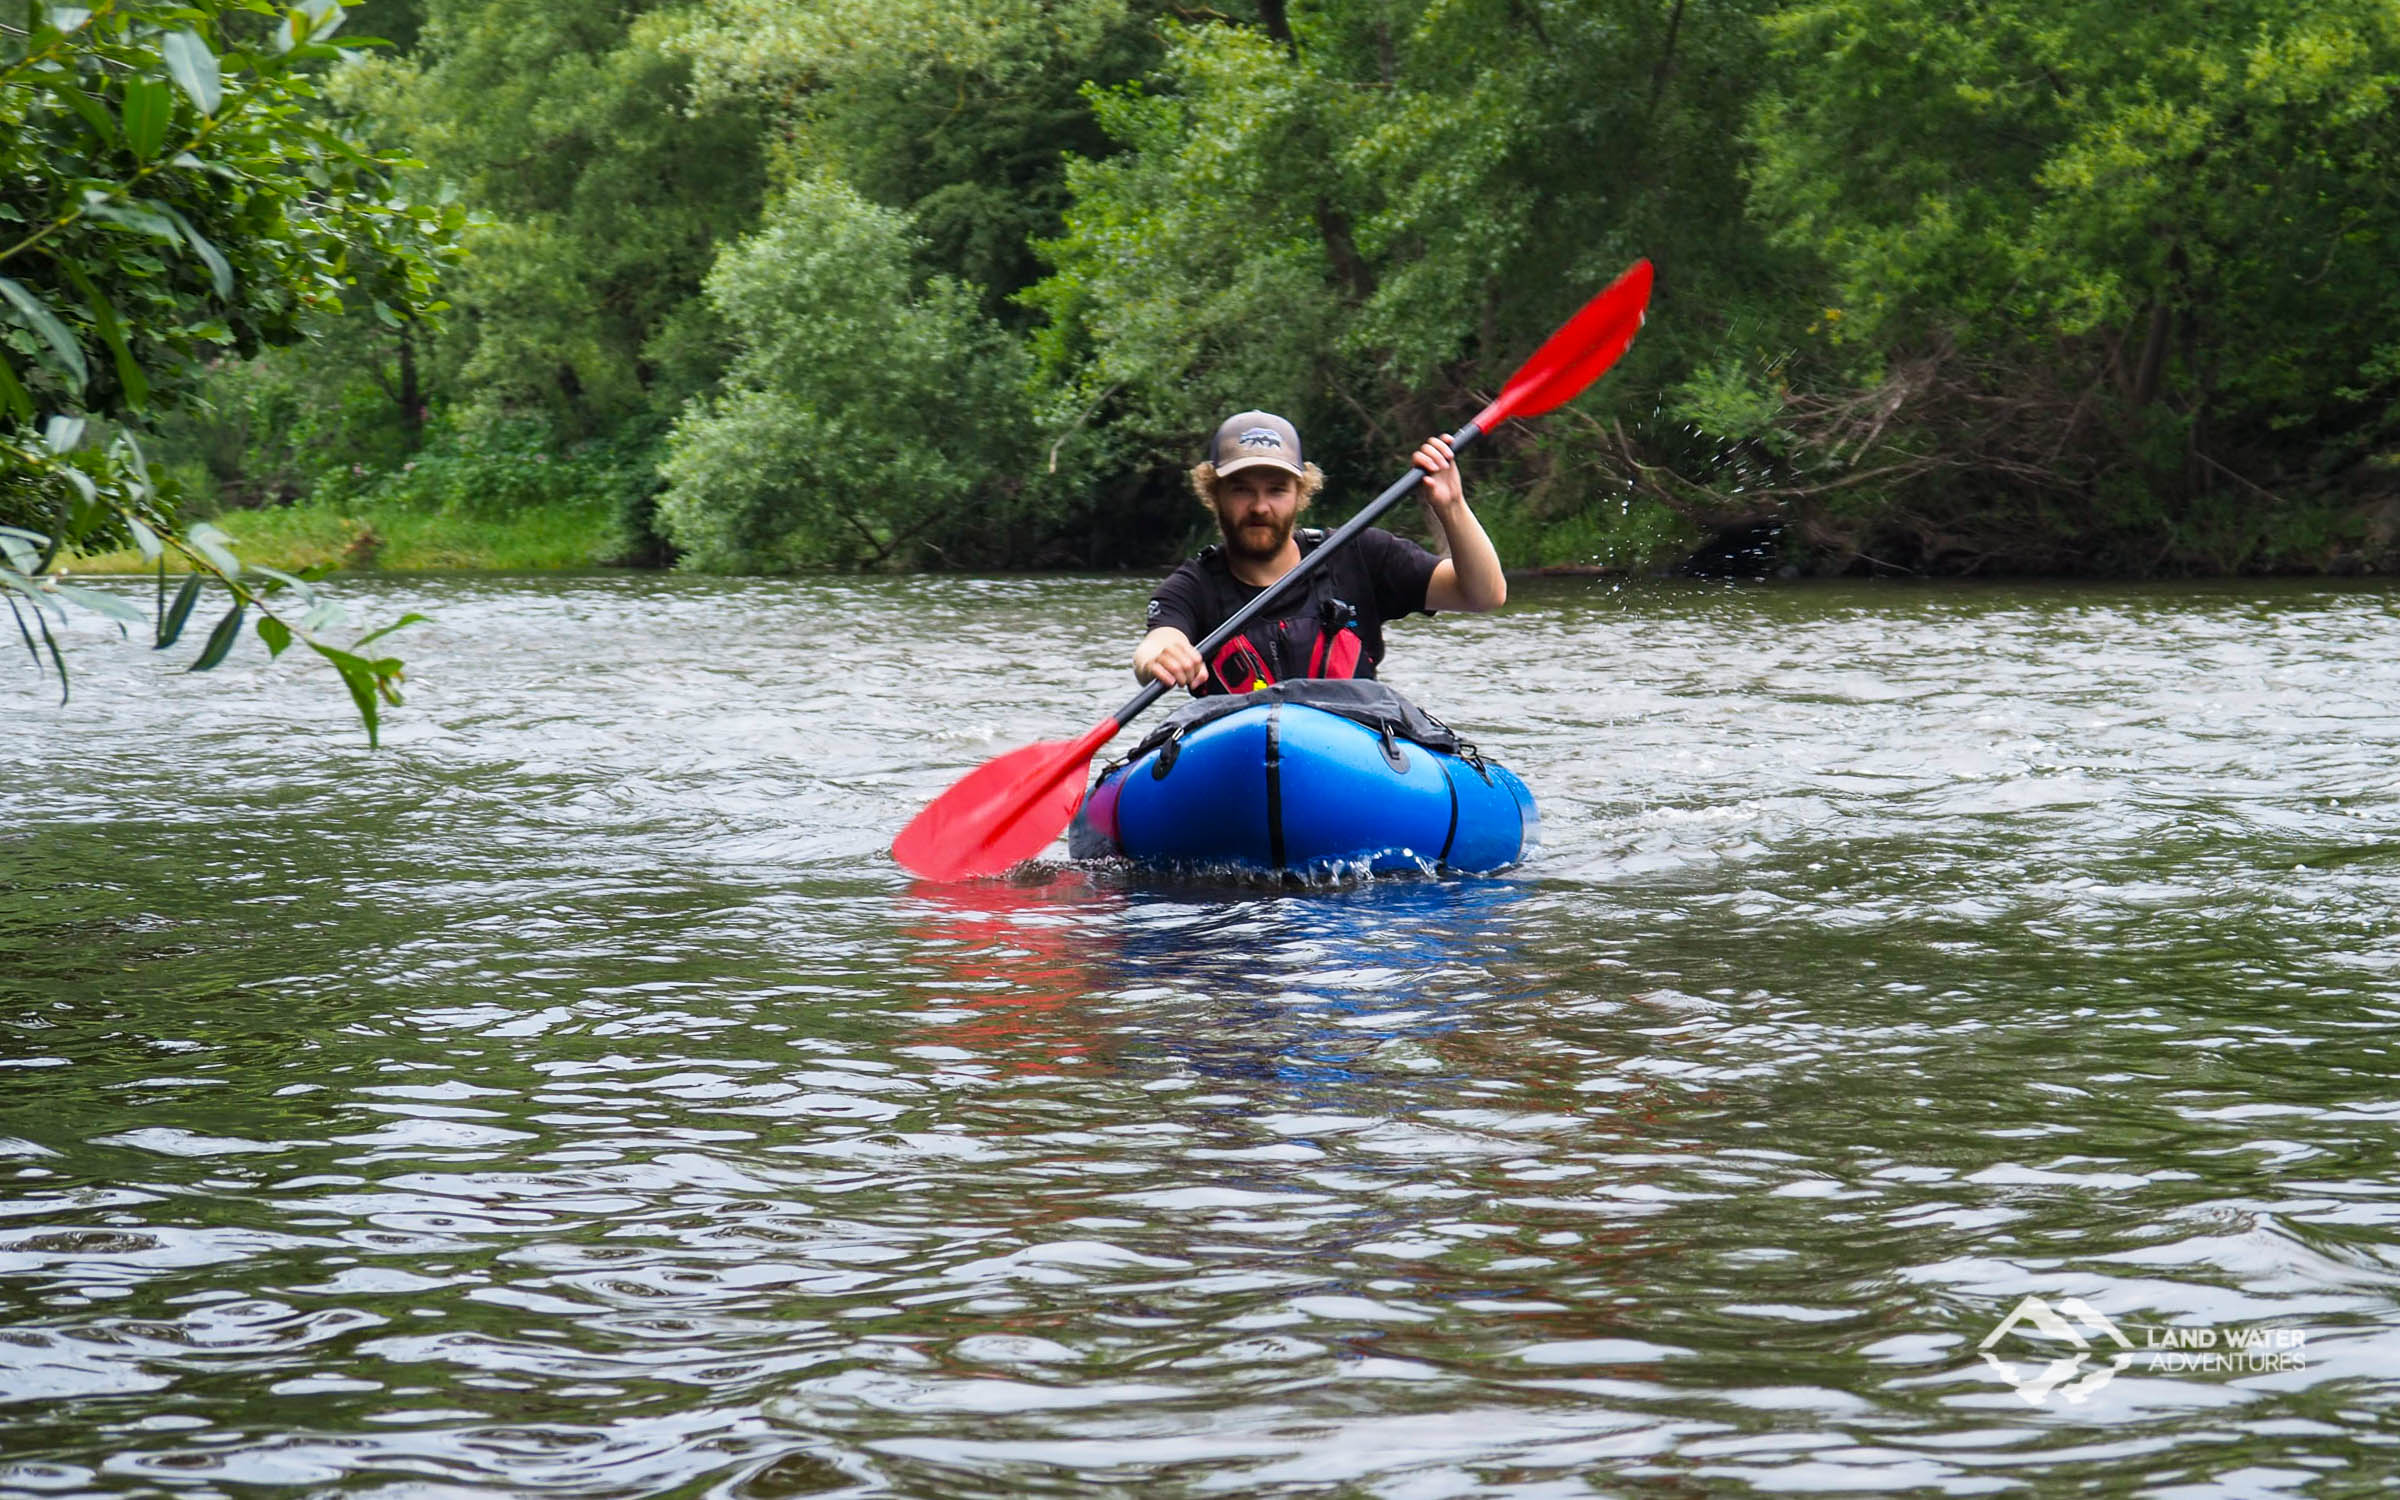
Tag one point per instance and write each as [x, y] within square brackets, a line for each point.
[1274, 592]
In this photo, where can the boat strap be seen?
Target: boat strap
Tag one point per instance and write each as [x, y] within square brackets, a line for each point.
[1450, 836]
[1362, 700]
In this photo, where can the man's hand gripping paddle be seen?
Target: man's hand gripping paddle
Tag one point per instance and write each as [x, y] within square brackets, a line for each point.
[1009, 809]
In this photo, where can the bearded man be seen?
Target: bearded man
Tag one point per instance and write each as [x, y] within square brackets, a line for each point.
[1256, 482]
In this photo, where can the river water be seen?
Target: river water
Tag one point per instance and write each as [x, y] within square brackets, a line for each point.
[573, 1098]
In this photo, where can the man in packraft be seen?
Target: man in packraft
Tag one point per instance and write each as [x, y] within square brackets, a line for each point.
[1256, 482]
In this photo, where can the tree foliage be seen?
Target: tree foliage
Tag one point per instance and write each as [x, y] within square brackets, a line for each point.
[2001, 286]
[959, 118]
[2136, 263]
[957, 114]
[603, 189]
[868, 416]
[1369, 219]
[169, 198]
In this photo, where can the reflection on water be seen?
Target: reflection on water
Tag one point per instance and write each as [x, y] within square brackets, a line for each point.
[575, 1098]
[1302, 989]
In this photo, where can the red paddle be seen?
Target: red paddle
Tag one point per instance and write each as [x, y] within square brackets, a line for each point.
[1009, 809]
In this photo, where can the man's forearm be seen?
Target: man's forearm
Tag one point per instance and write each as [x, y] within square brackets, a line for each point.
[1474, 563]
[1179, 659]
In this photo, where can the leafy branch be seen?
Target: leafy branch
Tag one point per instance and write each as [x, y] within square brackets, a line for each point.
[65, 36]
[286, 218]
[206, 553]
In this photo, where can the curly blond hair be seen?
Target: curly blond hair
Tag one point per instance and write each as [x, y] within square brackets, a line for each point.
[1205, 481]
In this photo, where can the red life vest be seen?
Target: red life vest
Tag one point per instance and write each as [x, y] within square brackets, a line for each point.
[1330, 625]
[1321, 640]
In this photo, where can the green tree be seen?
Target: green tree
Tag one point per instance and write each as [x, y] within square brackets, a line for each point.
[2116, 286]
[166, 199]
[957, 114]
[603, 190]
[961, 118]
[871, 416]
[598, 191]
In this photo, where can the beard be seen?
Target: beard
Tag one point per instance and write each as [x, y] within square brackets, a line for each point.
[1255, 544]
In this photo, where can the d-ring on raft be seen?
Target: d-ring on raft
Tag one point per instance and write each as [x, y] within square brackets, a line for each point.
[1316, 777]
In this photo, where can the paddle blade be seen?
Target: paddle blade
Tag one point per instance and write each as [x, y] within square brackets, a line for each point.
[1002, 812]
[1577, 354]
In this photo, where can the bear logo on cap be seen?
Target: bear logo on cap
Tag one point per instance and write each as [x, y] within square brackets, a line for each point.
[1248, 439]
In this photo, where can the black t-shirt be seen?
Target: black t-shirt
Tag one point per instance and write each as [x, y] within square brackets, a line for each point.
[1381, 576]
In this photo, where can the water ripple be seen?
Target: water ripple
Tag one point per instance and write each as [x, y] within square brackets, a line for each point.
[573, 1099]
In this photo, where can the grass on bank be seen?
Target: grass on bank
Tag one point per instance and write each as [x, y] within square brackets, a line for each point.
[374, 532]
[578, 534]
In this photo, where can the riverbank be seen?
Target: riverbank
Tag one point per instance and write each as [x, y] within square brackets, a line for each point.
[400, 539]
[364, 535]
[2361, 540]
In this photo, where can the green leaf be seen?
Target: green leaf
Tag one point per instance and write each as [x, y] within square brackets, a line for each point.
[220, 273]
[112, 333]
[209, 542]
[19, 616]
[194, 68]
[310, 21]
[374, 635]
[61, 433]
[45, 322]
[275, 633]
[23, 548]
[94, 112]
[298, 586]
[221, 639]
[170, 625]
[214, 168]
[137, 461]
[111, 605]
[131, 216]
[56, 660]
[129, 373]
[359, 681]
[149, 106]
[14, 398]
[143, 537]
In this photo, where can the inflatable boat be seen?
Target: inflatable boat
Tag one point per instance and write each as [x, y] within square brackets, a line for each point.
[1315, 777]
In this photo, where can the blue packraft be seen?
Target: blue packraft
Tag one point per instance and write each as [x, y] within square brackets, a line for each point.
[1317, 776]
